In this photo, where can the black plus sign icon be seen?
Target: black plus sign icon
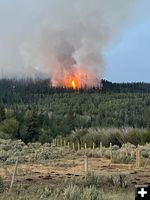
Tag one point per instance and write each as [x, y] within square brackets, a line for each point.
[142, 192]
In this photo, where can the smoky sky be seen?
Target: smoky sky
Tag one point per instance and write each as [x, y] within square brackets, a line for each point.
[40, 36]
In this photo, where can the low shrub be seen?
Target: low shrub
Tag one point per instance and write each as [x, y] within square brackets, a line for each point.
[120, 180]
[110, 135]
[116, 180]
[92, 193]
[72, 192]
[92, 179]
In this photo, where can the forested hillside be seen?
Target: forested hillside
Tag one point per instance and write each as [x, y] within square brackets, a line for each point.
[33, 110]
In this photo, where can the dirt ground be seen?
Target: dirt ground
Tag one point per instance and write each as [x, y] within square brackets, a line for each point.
[57, 171]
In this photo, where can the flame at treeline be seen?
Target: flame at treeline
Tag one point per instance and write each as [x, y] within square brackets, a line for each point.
[75, 77]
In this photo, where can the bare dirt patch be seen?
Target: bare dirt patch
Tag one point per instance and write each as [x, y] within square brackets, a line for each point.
[55, 172]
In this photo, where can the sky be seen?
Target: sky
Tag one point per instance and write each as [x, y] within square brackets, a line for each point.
[29, 23]
[128, 59]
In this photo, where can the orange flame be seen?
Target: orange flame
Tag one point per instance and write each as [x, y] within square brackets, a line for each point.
[75, 77]
[73, 85]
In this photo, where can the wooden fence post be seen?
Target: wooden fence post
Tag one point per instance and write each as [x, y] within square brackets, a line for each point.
[78, 146]
[73, 146]
[93, 145]
[101, 149]
[110, 149]
[14, 174]
[85, 147]
[61, 141]
[138, 156]
[146, 163]
[86, 164]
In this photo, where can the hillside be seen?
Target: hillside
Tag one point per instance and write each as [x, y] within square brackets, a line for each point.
[33, 110]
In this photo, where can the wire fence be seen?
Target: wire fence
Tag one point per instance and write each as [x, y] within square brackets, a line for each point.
[138, 161]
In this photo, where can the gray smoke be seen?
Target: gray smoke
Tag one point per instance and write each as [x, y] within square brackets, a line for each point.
[51, 36]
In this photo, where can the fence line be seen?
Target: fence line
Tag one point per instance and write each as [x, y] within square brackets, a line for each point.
[77, 147]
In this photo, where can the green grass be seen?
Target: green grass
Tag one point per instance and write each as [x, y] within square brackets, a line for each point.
[70, 192]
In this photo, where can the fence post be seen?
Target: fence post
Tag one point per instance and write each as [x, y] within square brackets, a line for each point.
[61, 141]
[101, 149]
[85, 147]
[93, 145]
[138, 156]
[146, 163]
[14, 174]
[86, 164]
[78, 146]
[110, 149]
[73, 146]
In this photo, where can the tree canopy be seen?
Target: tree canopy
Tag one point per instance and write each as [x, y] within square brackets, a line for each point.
[34, 110]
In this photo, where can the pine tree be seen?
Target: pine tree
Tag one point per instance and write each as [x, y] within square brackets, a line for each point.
[71, 119]
[31, 128]
[2, 113]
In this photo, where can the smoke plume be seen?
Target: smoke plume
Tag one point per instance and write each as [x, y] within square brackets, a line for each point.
[59, 38]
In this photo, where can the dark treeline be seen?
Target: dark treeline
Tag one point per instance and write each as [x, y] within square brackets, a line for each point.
[13, 90]
[137, 87]
[33, 110]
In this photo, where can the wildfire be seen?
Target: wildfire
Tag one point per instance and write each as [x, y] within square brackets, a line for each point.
[73, 85]
[75, 78]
